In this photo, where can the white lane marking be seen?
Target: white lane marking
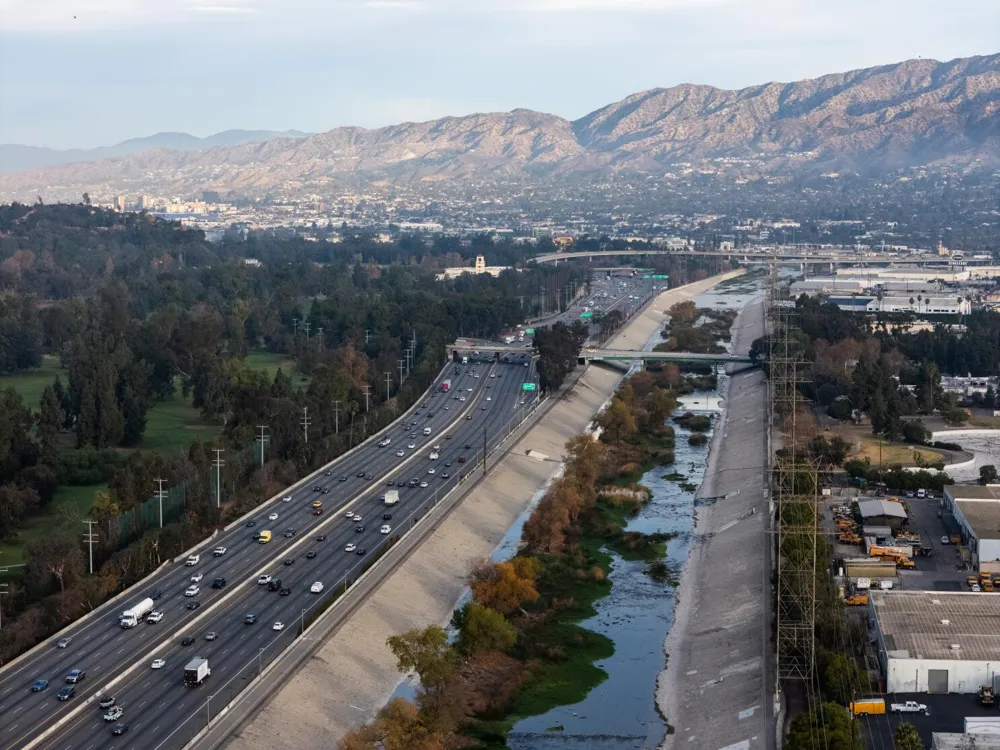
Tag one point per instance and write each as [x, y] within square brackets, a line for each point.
[142, 704]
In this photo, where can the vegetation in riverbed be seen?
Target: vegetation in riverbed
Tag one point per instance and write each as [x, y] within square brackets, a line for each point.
[519, 649]
[696, 329]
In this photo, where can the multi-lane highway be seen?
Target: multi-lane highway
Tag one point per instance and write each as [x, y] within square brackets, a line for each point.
[159, 710]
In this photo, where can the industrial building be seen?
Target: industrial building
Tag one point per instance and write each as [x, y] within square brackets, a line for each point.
[936, 641]
[976, 510]
[890, 304]
[882, 513]
[980, 740]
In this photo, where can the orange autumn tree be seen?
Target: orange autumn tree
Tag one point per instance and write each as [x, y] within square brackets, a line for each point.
[505, 586]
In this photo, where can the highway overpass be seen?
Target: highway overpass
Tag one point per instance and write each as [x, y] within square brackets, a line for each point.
[936, 262]
[624, 355]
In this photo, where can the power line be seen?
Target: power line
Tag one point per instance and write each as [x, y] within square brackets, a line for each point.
[336, 417]
[90, 537]
[263, 439]
[306, 421]
[388, 383]
[159, 495]
[218, 463]
[367, 390]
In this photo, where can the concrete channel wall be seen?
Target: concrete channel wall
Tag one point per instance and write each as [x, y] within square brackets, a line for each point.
[353, 673]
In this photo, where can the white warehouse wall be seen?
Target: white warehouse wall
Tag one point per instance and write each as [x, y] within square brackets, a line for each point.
[910, 675]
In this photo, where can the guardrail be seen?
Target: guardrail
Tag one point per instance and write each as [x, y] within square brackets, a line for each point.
[352, 595]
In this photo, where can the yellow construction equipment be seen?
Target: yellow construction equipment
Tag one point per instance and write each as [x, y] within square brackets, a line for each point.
[860, 599]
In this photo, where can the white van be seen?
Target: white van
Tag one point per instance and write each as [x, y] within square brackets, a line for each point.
[193, 560]
[427, 431]
[921, 493]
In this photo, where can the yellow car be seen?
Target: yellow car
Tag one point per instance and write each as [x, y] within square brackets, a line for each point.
[318, 504]
[972, 581]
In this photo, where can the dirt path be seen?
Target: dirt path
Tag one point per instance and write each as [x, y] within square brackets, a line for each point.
[354, 673]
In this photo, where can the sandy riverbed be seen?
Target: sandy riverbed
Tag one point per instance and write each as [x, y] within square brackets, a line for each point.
[354, 673]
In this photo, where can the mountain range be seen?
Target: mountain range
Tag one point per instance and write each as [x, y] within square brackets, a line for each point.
[17, 158]
[917, 112]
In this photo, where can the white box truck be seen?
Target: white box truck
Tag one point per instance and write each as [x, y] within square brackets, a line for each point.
[196, 671]
[132, 617]
[391, 497]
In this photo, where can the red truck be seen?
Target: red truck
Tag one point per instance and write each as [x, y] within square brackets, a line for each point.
[446, 386]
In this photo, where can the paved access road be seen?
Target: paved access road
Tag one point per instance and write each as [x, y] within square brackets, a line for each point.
[160, 711]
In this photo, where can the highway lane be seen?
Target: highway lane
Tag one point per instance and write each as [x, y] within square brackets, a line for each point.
[238, 663]
[243, 556]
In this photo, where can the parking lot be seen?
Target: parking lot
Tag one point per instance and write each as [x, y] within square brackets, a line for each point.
[946, 713]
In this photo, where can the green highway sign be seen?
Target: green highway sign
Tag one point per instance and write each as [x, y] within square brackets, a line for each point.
[660, 276]
[527, 386]
[645, 276]
[529, 331]
[587, 314]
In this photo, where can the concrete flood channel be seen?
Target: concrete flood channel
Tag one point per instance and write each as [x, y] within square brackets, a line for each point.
[621, 712]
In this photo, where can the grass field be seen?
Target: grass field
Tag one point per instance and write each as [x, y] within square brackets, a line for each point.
[269, 362]
[68, 508]
[31, 384]
[172, 426]
[892, 453]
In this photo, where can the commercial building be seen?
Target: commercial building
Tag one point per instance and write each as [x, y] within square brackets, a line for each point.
[961, 741]
[890, 304]
[936, 641]
[479, 267]
[977, 512]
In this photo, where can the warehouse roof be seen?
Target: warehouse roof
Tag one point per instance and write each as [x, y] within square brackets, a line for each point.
[876, 508]
[973, 491]
[929, 624]
[983, 518]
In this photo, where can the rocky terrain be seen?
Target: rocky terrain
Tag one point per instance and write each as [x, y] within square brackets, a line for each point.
[873, 120]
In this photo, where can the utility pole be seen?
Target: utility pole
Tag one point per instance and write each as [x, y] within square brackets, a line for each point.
[320, 332]
[336, 417]
[295, 326]
[90, 537]
[401, 370]
[409, 355]
[263, 439]
[305, 423]
[307, 325]
[388, 382]
[159, 494]
[3, 592]
[367, 389]
[367, 333]
[218, 463]
[484, 450]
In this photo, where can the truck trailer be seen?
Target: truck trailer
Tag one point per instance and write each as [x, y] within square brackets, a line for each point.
[132, 617]
[391, 497]
[196, 671]
[446, 386]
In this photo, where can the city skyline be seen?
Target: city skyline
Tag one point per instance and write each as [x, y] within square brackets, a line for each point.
[316, 66]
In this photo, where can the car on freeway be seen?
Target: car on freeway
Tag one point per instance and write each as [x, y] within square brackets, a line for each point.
[411, 446]
[155, 594]
[273, 517]
[114, 714]
[321, 538]
[278, 626]
[75, 676]
[310, 554]
[317, 511]
[193, 605]
[445, 475]
[349, 514]
[251, 523]
[356, 517]
[107, 702]
[360, 551]
[154, 617]
[64, 642]
[211, 635]
[119, 729]
[286, 499]
[274, 585]
[400, 453]
[359, 529]
[39, 685]
[468, 416]
[329, 472]
[289, 561]
[489, 398]
[187, 640]
[289, 533]
[350, 547]
[386, 529]
[66, 693]
[431, 471]
[468, 446]
[326, 490]
[461, 459]
[285, 592]
[191, 591]
[423, 484]
[343, 478]
[158, 663]
[250, 618]
[369, 477]
[360, 475]
[197, 577]
[192, 560]
[387, 516]
[219, 583]
[316, 588]
[482, 408]
[219, 551]
[264, 579]
[447, 464]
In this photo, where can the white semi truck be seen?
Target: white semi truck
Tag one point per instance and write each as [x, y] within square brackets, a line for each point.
[132, 617]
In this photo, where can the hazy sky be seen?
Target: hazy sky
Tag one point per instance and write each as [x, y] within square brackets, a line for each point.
[82, 73]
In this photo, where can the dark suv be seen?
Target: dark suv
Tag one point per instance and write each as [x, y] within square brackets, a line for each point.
[274, 584]
[250, 619]
[218, 583]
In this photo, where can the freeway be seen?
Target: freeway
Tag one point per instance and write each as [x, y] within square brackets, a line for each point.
[160, 711]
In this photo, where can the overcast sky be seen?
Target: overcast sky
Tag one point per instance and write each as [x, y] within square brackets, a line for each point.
[83, 73]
